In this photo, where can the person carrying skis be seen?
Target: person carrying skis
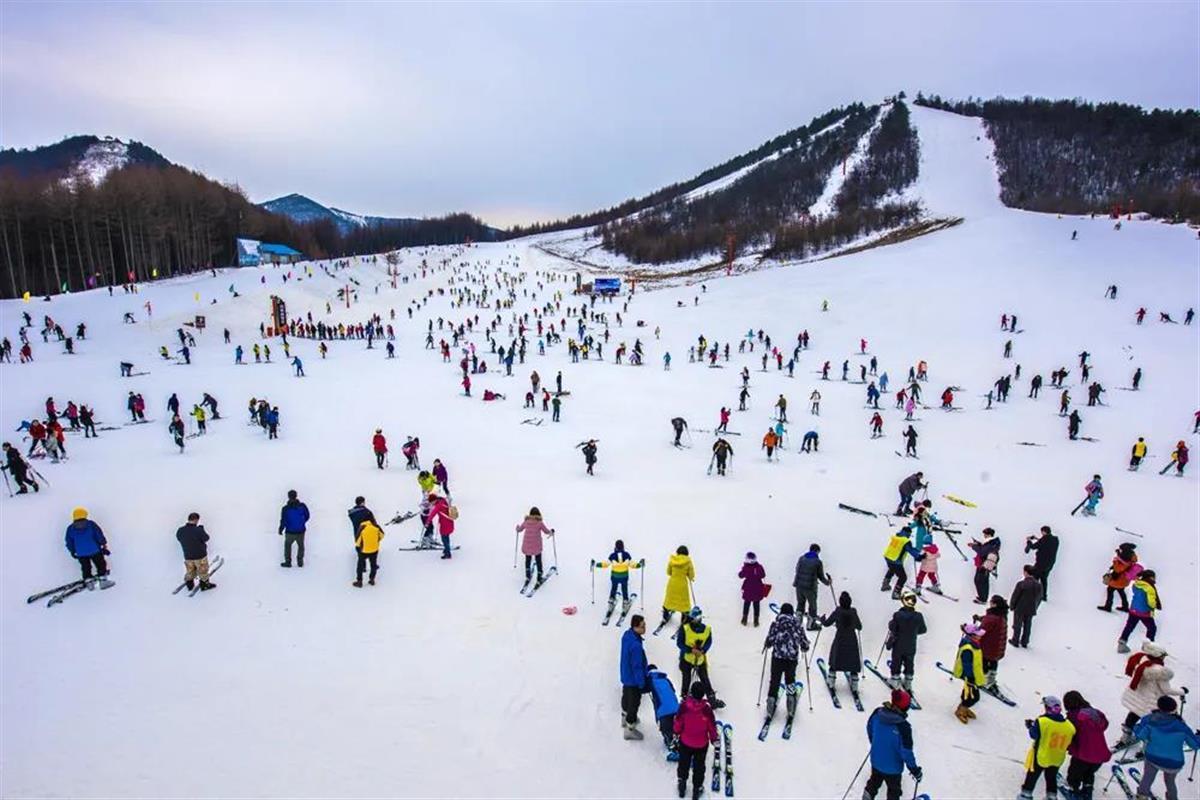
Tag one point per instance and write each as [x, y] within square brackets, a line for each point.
[366, 545]
[987, 557]
[908, 487]
[696, 726]
[753, 587]
[1026, 597]
[898, 547]
[680, 425]
[810, 573]
[86, 544]
[1052, 734]
[694, 639]
[844, 654]
[532, 529]
[680, 574]
[635, 677]
[1165, 734]
[1124, 569]
[19, 469]
[589, 455]
[1095, 492]
[968, 667]
[1045, 549]
[722, 450]
[769, 441]
[890, 736]
[910, 442]
[1089, 750]
[1149, 679]
[193, 540]
[786, 639]
[379, 447]
[1137, 454]
[1145, 602]
[903, 629]
[293, 522]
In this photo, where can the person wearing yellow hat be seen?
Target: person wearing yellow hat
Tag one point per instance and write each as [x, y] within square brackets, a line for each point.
[86, 544]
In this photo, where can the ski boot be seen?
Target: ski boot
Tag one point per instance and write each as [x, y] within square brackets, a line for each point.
[1025, 794]
[989, 680]
[716, 702]
[206, 585]
[936, 588]
[886, 585]
[906, 684]
[743, 621]
[1105, 609]
[961, 714]
[631, 731]
[896, 592]
[683, 788]
[1122, 646]
[612, 603]
[772, 702]
[791, 699]
[190, 584]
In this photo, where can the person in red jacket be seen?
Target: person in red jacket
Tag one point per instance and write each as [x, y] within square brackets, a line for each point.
[994, 642]
[696, 727]
[37, 432]
[441, 512]
[379, 445]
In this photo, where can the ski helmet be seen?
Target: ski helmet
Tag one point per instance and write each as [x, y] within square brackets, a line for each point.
[908, 597]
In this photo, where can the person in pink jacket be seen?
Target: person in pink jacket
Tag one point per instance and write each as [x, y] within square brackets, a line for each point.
[696, 726]
[753, 588]
[928, 568]
[1088, 749]
[441, 512]
[533, 529]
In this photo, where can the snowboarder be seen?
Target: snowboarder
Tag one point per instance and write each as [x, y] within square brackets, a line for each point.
[293, 522]
[193, 540]
[903, 629]
[695, 725]
[1052, 734]
[532, 529]
[379, 447]
[753, 587]
[86, 543]
[987, 557]
[635, 678]
[694, 639]
[890, 735]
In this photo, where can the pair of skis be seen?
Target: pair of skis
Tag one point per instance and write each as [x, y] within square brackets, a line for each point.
[626, 605]
[531, 586]
[833, 692]
[913, 704]
[724, 743]
[1118, 774]
[61, 593]
[994, 692]
[216, 564]
[796, 689]
[424, 544]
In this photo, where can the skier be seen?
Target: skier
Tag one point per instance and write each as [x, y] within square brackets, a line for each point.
[1137, 378]
[1179, 457]
[753, 587]
[1073, 423]
[445, 514]
[1165, 733]
[293, 522]
[680, 425]
[1089, 751]
[769, 441]
[811, 442]
[1095, 491]
[1124, 569]
[987, 557]
[19, 468]
[1052, 734]
[815, 403]
[1145, 603]
[786, 639]
[890, 735]
[86, 543]
[532, 529]
[556, 403]
[810, 572]
[1045, 549]
[908, 487]
[635, 677]
[694, 639]
[993, 643]
[366, 545]
[666, 705]
[201, 420]
[619, 563]
[1026, 597]
[876, 426]
[781, 405]
[910, 442]
[927, 569]
[1149, 679]
[898, 547]
[1035, 386]
[193, 539]
[379, 446]
[725, 415]
[589, 455]
[844, 654]
[743, 396]
[722, 450]
[903, 629]
[1137, 454]
[411, 451]
[968, 667]
[176, 429]
[696, 726]
[680, 574]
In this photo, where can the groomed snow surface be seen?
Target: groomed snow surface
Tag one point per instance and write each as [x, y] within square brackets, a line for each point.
[442, 680]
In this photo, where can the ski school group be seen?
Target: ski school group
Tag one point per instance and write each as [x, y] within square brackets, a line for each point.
[1153, 733]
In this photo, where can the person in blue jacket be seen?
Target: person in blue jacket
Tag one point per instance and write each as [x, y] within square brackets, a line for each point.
[634, 674]
[891, 738]
[1165, 733]
[293, 519]
[86, 544]
[666, 704]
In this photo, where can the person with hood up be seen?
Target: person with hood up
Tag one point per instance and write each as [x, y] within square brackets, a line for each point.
[890, 735]
[694, 639]
[1089, 750]
[786, 639]
[532, 529]
[696, 727]
[844, 653]
[86, 544]
[441, 476]
[810, 573]
[968, 667]
[927, 568]
[753, 587]
[680, 574]
[1165, 733]
[1125, 568]
[1051, 733]
[1179, 457]
[1149, 679]
[665, 700]
[635, 677]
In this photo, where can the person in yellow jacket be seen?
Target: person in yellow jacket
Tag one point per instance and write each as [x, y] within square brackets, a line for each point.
[426, 481]
[1052, 734]
[1139, 452]
[620, 563]
[968, 666]
[680, 574]
[201, 418]
[367, 546]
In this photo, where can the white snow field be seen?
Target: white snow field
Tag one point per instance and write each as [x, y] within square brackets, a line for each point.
[443, 681]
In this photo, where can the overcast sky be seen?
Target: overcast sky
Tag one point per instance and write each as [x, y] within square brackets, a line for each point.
[528, 111]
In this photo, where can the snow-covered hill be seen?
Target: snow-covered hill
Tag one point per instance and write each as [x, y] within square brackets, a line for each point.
[303, 209]
[442, 680]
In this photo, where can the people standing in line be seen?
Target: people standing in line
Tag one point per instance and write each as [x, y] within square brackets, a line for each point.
[696, 727]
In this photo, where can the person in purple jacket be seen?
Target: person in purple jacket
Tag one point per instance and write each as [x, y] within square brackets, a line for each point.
[753, 588]
[440, 475]
[1089, 750]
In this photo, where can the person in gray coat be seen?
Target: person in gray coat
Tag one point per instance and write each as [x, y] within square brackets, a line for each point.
[810, 573]
[1026, 597]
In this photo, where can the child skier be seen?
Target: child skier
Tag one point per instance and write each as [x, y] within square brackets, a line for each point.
[753, 588]
[619, 563]
[968, 666]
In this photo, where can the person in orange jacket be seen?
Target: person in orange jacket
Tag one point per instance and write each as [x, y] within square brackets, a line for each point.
[770, 440]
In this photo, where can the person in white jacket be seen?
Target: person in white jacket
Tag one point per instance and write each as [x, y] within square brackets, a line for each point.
[1149, 679]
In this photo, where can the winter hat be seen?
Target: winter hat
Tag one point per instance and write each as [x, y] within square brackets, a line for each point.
[1167, 704]
[908, 597]
[1153, 650]
[901, 699]
[695, 614]
[1052, 704]
[931, 548]
[78, 514]
[973, 630]
[697, 691]
[787, 608]
[750, 556]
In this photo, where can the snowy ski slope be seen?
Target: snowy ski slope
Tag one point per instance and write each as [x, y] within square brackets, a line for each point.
[442, 681]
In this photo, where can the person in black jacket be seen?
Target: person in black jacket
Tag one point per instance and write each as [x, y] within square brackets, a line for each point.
[908, 487]
[810, 572]
[358, 515]
[1046, 549]
[1026, 597]
[844, 654]
[194, 541]
[903, 629]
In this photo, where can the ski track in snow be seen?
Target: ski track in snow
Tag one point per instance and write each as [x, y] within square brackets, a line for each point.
[443, 681]
[837, 176]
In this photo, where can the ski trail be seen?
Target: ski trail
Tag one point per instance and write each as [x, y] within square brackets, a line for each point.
[837, 177]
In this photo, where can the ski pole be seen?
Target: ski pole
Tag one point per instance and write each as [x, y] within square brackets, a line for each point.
[692, 589]
[846, 793]
[881, 646]
[516, 540]
[916, 785]
[808, 680]
[643, 577]
[592, 570]
[554, 544]
[1192, 774]
[761, 674]
[7, 485]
